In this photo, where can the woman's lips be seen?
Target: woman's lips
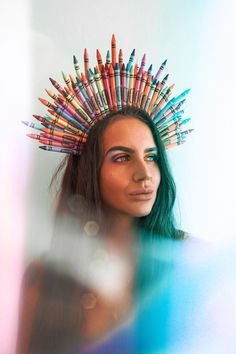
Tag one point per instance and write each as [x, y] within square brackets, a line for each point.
[141, 194]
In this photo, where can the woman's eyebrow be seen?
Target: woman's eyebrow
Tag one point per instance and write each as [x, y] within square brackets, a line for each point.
[126, 149]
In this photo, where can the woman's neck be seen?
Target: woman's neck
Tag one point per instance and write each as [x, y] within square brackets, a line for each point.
[121, 232]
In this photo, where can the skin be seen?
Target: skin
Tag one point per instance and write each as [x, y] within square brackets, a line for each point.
[129, 166]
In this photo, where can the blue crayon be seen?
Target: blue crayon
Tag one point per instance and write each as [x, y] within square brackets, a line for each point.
[32, 125]
[150, 70]
[131, 60]
[117, 82]
[58, 149]
[185, 121]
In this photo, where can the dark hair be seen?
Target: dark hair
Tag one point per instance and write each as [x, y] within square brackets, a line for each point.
[80, 191]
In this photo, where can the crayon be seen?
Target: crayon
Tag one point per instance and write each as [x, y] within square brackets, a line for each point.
[86, 103]
[123, 86]
[165, 120]
[62, 113]
[142, 86]
[51, 94]
[150, 95]
[137, 86]
[150, 70]
[108, 59]
[186, 132]
[117, 83]
[32, 125]
[61, 150]
[69, 108]
[67, 125]
[127, 82]
[106, 86]
[99, 83]
[131, 87]
[82, 137]
[113, 51]
[63, 139]
[86, 62]
[96, 93]
[143, 62]
[71, 98]
[173, 109]
[170, 146]
[99, 60]
[57, 86]
[91, 95]
[82, 88]
[120, 58]
[162, 99]
[173, 141]
[76, 66]
[158, 89]
[131, 60]
[65, 145]
[146, 91]
[55, 123]
[67, 82]
[113, 87]
[160, 70]
[185, 121]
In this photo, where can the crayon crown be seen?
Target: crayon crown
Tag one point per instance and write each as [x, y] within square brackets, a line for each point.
[89, 96]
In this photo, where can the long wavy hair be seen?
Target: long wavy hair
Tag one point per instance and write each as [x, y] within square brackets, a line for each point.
[79, 191]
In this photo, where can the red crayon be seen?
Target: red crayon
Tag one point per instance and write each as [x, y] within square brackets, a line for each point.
[78, 137]
[64, 138]
[113, 50]
[99, 60]
[142, 86]
[137, 86]
[57, 86]
[106, 85]
[120, 58]
[51, 142]
[123, 86]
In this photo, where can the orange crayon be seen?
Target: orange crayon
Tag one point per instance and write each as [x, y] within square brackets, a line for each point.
[113, 50]
[142, 86]
[113, 87]
[146, 91]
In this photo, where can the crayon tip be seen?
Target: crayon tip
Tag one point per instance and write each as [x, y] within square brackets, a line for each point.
[133, 52]
[24, 122]
[113, 38]
[43, 101]
[75, 61]
[42, 147]
[52, 80]
[164, 62]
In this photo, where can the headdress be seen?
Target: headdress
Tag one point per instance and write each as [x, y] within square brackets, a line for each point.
[88, 97]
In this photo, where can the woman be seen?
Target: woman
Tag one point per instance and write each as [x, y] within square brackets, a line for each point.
[121, 189]
[114, 207]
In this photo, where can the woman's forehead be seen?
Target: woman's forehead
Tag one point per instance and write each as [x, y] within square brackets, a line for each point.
[128, 131]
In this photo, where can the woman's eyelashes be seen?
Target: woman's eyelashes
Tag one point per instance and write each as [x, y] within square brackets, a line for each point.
[127, 157]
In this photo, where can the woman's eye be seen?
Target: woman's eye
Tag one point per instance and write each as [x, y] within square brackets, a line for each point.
[121, 158]
[151, 158]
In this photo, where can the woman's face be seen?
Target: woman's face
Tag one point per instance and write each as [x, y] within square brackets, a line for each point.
[129, 176]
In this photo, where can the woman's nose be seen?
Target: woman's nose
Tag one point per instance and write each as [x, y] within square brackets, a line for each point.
[141, 171]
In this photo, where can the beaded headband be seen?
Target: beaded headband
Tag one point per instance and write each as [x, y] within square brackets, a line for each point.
[88, 97]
